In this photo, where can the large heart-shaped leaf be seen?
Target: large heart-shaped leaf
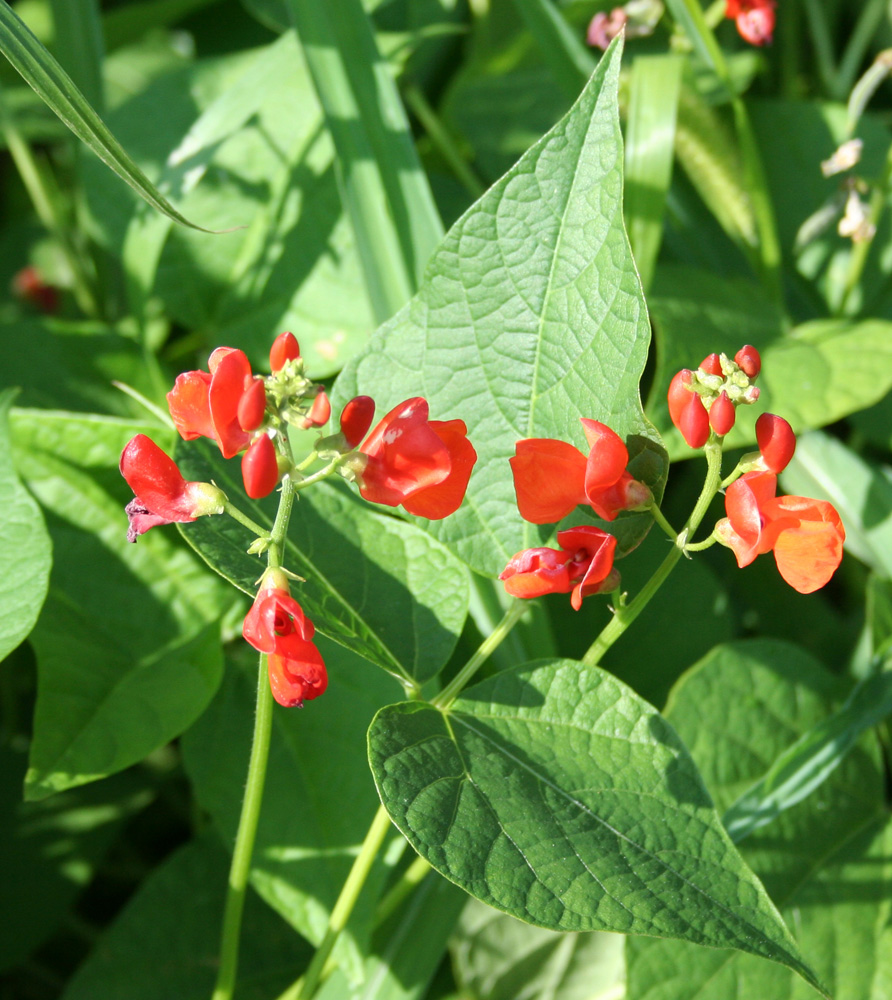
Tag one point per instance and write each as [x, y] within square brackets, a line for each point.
[556, 794]
[379, 586]
[529, 317]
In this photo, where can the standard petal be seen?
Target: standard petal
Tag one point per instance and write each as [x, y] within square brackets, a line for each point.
[444, 498]
[549, 479]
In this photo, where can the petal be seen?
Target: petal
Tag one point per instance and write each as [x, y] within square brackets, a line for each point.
[549, 479]
[189, 405]
[231, 370]
[607, 457]
[443, 499]
[808, 555]
[155, 480]
[745, 502]
[298, 677]
[534, 572]
[260, 470]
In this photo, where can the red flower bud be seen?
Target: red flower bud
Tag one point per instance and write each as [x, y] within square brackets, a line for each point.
[260, 471]
[285, 348]
[722, 414]
[356, 419]
[711, 365]
[319, 413]
[252, 405]
[687, 411]
[748, 360]
[776, 440]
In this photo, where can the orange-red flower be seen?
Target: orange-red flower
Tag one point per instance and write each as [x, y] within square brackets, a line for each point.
[754, 19]
[422, 464]
[551, 477]
[162, 495]
[277, 625]
[805, 535]
[584, 567]
[206, 404]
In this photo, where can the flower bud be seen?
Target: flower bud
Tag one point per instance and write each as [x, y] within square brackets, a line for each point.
[748, 360]
[712, 365]
[252, 405]
[260, 471]
[285, 348]
[776, 440]
[687, 411]
[722, 414]
[319, 413]
[356, 419]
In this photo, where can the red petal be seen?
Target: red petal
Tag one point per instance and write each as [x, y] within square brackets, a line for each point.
[776, 441]
[809, 554]
[260, 472]
[155, 480]
[549, 479]
[299, 677]
[189, 405]
[443, 499]
[535, 572]
[230, 372]
[722, 414]
[356, 419]
[252, 405]
[285, 348]
[319, 413]
[747, 357]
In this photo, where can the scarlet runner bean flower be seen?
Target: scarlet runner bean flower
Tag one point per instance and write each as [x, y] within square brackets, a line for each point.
[162, 495]
[805, 535]
[584, 567]
[551, 477]
[422, 464]
[754, 19]
[776, 441]
[276, 625]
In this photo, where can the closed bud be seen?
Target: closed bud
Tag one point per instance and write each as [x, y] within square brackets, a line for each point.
[722, 414]
[319, 413]
[748, 360]
[687, 411]
[776, 440]
[260, 470]
[679, 394]
[356, 419]
[711, 365]
[252, 405]
[285, 348]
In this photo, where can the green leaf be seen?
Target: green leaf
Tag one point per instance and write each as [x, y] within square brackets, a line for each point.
[127, 644]
[169, 933]
[25, 549]
[50, 850]
[826, 469]
[530, 316]
[384, 190]
[650, 148]
[825, 861]
[807, 764]
[41, 71]
[497, 957]
[319, 801]
[382, 588]
[556, 794]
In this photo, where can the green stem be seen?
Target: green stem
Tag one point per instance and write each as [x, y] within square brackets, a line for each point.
[244, 841]
[236, 514]
[624, 615]
[661, 521]
[442, 140]
[449, 693]
[407, 883]
[280, 525]
[350, 891]
[317, 476]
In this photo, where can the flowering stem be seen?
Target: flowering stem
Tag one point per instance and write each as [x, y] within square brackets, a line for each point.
[321, 474]
[409, 880]
[244, 840]
[449, 693]
[235, 513]
[350, 891]
[625, 615]
[661, 520]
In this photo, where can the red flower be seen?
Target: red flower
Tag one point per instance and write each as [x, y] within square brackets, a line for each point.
[776, 440]
[276, 625]
[206, 404]
[162, 495]
[687, 410]
[260, 470]
[356, 419]
[318, 414]
[422, 464]
[805, 535]
[551, 477]
[285, 348]
[584, 567]
[755, 23]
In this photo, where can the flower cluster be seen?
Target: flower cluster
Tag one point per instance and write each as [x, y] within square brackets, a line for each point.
[551, 478]
[754, 19]
[707, 398]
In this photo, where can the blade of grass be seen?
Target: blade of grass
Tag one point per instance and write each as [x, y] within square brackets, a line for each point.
[650, 143]
[570, 62]
[44, 74]
[864, 32]
[812, 758]
[79, 46]
[384, 190]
